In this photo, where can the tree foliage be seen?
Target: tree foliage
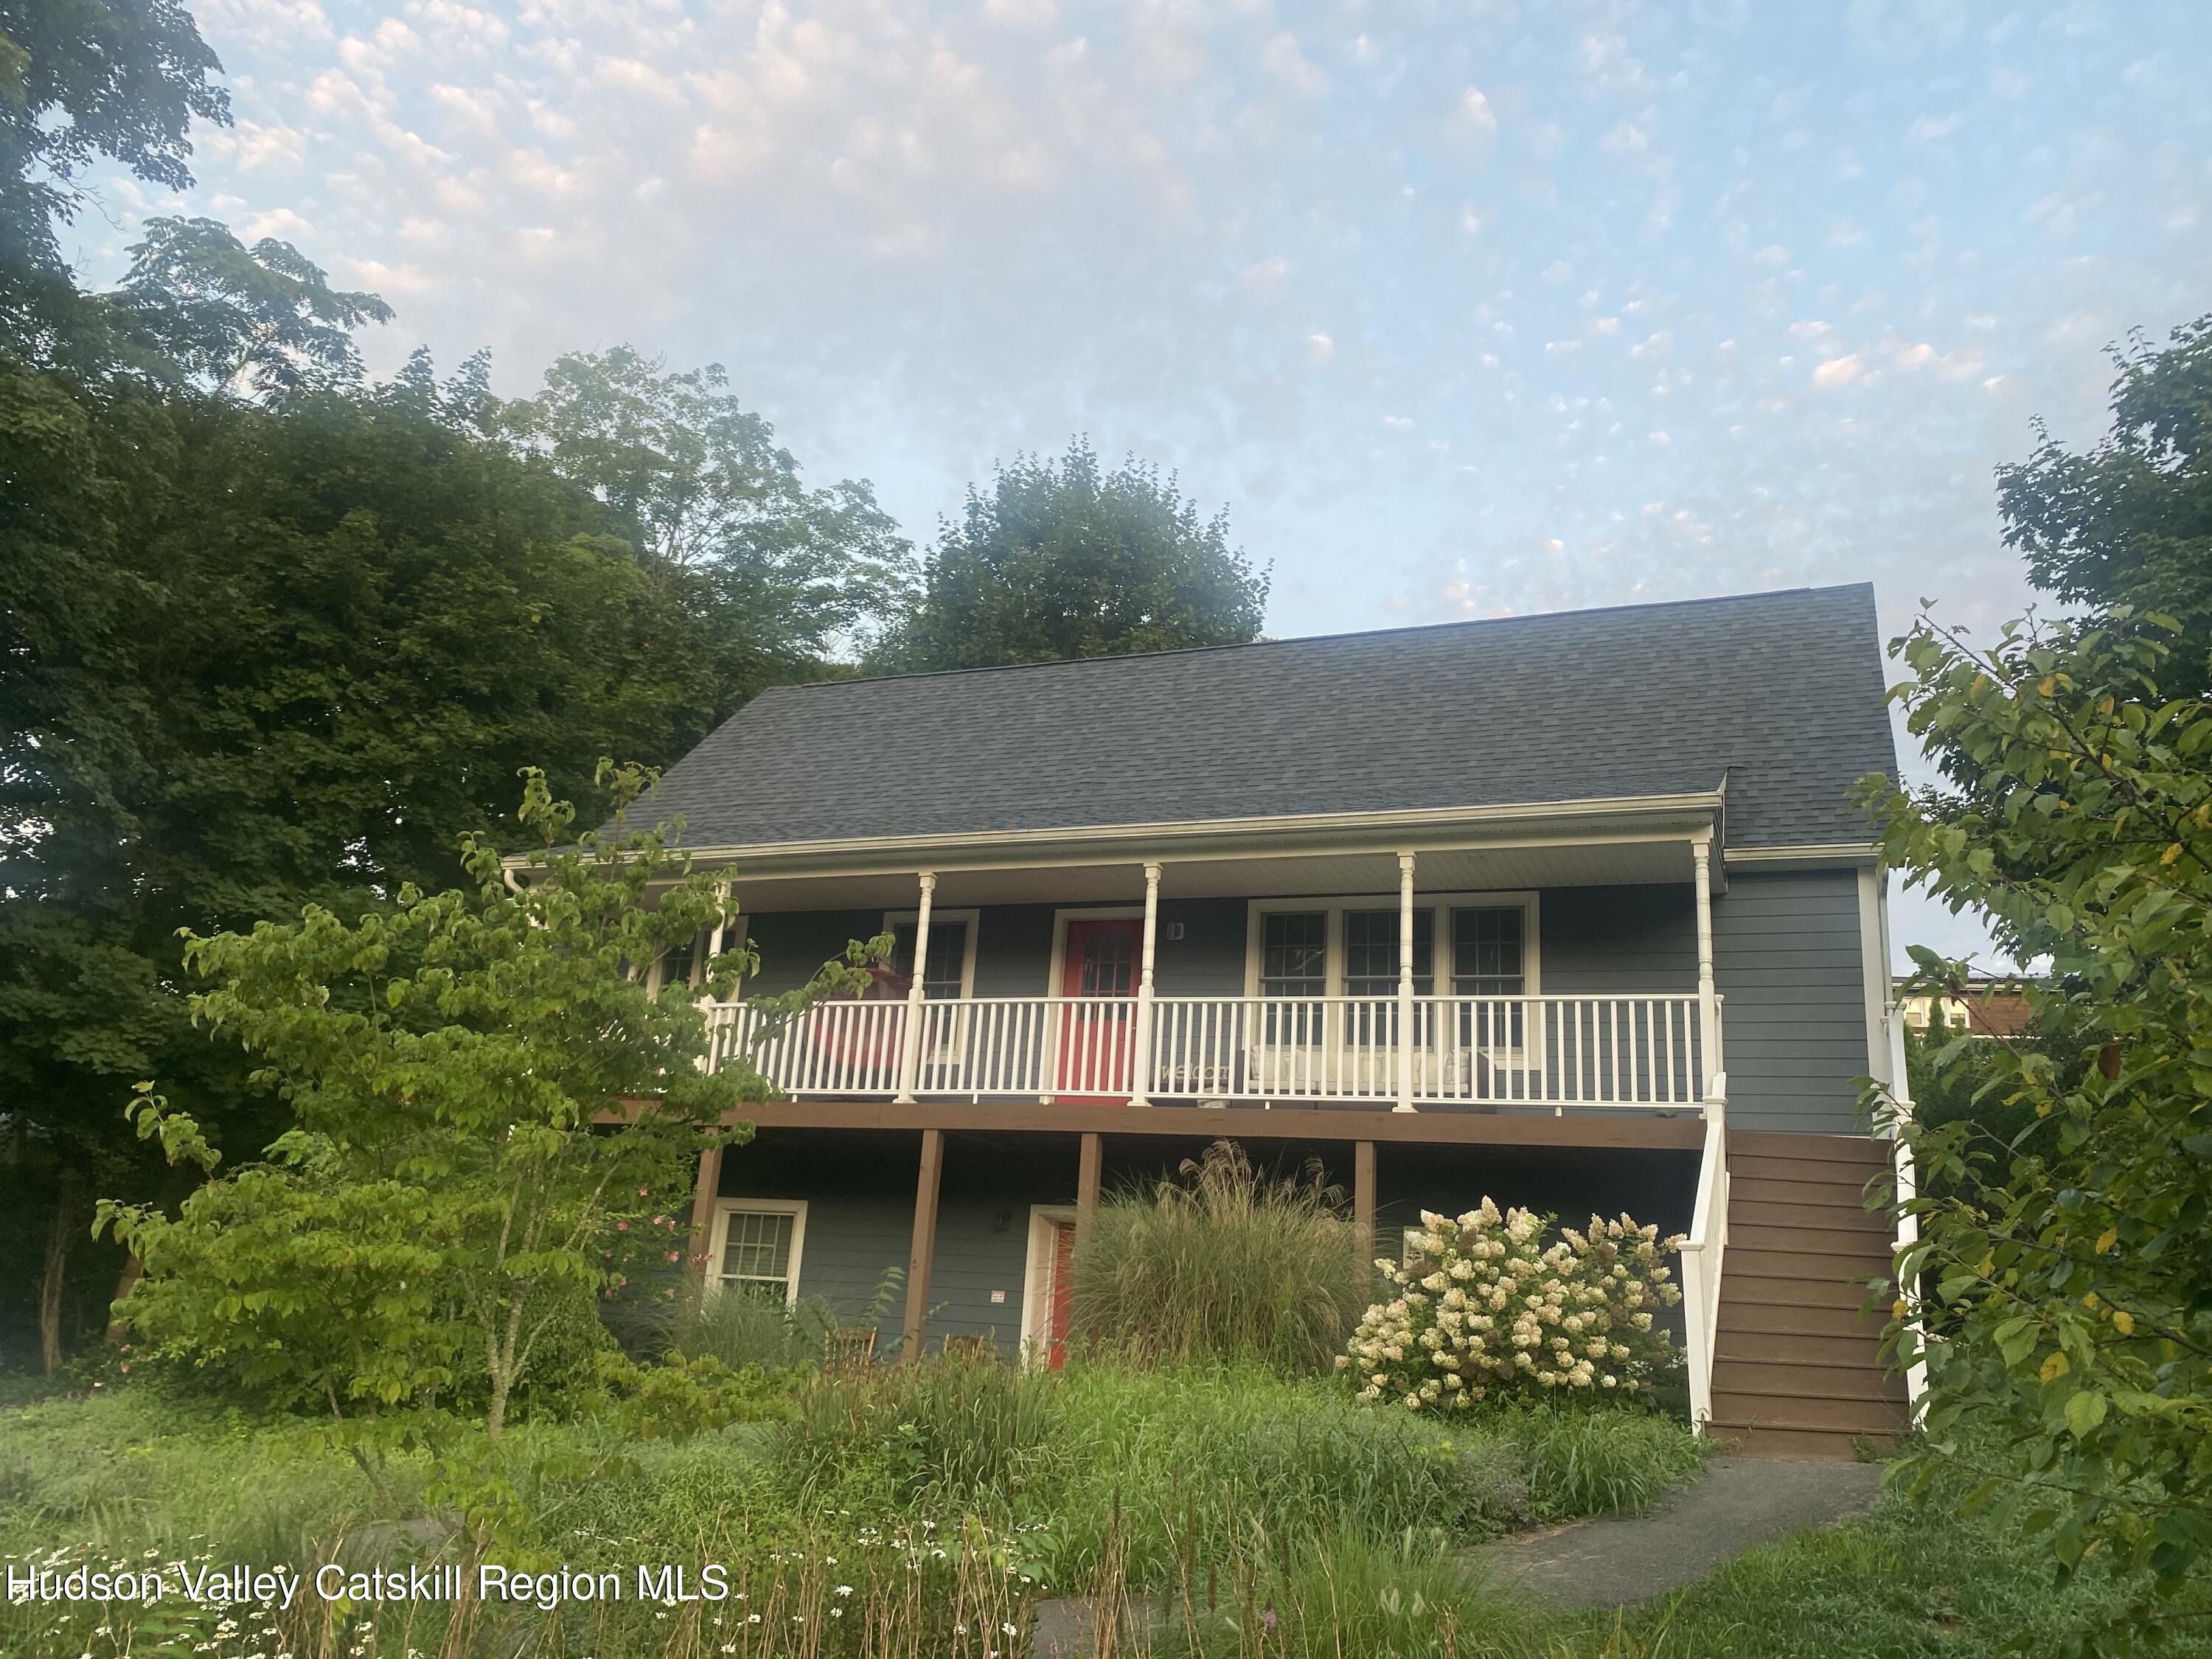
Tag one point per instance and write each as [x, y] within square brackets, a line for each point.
[792, 574]
[1066, 559]
[485, 1094]
[2074, 1362]
[263, 321]
[81, 80]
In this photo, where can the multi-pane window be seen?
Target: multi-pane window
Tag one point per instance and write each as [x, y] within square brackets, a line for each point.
[757, 1251]
[1488, 952]
[1294, 954]
[948, 956]
[1371, 953]
[677, 962]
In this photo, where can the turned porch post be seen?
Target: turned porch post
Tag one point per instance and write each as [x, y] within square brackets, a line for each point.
[1709, 1018]
[1140, 1062]
[1405, 983]
[910, 1030]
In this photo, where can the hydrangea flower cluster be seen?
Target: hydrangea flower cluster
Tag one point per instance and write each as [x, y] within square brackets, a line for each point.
[1484, 1309]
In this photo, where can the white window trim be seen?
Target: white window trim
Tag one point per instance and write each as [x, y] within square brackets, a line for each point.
[1036, 1275]
[973, 918]
[1441, 905]
[726, 1207]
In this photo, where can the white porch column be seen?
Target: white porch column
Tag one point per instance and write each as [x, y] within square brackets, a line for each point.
[1405, 983]
[1709, 1017]
[1140, 1066]
[910, 1028]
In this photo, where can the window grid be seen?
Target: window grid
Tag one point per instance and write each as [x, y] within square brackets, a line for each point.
[1294, 956]
[757, 1249]
[948, 956]
[1488, 952]
[1371, 953]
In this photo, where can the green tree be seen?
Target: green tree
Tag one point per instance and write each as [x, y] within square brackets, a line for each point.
[2074, 1363]
[81, 80]
[199, 303]
[791, 576]
[1065, 559]
[255, 658]
[485, 1094]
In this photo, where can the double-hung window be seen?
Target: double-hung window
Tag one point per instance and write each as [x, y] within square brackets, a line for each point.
[1489, 959]
[951, 969]
[758, 1245]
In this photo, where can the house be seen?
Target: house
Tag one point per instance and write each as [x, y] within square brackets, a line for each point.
[1979, 1006]
[1573, 911]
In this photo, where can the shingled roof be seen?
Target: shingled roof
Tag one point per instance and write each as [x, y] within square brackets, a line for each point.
[1782, 691]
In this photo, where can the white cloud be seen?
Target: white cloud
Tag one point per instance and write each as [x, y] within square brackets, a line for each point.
[1838, 371]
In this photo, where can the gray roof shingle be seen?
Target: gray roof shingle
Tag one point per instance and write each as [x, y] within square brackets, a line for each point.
[1783, 690]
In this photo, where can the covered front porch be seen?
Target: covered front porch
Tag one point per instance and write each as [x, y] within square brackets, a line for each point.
[1335, 973]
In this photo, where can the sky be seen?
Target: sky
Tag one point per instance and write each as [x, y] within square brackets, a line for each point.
[1460, 310]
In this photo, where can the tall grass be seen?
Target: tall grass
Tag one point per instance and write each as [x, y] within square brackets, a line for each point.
[741, 1326]
[958, 1429]
[1224, 1264]
[1599, 1463]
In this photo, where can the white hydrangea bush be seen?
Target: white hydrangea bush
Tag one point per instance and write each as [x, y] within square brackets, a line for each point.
[1486, 1310]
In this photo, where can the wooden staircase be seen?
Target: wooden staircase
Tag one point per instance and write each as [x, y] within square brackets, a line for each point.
[1797, 1371]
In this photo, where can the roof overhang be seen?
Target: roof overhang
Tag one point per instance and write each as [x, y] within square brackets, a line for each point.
[1823, 855]
[1552, 844]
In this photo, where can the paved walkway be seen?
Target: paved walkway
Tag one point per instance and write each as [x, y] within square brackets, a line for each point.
[1737, 1503]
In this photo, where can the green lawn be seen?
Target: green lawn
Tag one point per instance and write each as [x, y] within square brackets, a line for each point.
[923, 1515]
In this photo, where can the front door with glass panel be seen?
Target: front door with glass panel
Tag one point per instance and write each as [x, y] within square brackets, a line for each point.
[1098, 977]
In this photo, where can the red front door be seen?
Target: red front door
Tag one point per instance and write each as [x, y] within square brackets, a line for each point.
[1099, 979]
[1062, 1304]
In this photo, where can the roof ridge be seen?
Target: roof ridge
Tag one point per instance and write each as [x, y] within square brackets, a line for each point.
[1320, 639]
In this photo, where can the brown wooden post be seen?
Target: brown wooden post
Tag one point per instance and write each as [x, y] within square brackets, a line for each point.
[1363, 1205]
[924, 1252]
[1086, 1180]
[703, 1213]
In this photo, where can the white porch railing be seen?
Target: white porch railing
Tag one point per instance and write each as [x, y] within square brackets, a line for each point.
[1558, 1052]
[1703, 1249]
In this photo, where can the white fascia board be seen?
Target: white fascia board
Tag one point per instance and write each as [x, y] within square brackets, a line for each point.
[1588, 823]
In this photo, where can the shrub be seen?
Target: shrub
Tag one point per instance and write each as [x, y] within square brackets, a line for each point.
[1486, 1310]
[1225, 1264]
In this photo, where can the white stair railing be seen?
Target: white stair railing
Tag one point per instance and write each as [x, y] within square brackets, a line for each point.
[1702, 1253]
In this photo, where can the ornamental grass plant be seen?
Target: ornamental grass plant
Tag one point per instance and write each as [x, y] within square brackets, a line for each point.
[1484, 1309]
[1226, 1263]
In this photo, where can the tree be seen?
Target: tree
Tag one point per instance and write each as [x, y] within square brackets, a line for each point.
[2073, 1360]
[199, 303]
[1063, 559]
[484, 1093]
[79, 80]
[792, 575]
[253, 659]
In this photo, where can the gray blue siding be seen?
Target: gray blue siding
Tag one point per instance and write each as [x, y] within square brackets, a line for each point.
[1786, 957]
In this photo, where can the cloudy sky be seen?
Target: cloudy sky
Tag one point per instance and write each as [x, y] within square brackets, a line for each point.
[1462, 310]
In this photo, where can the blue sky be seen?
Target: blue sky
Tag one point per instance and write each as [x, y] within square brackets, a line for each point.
[1462, 310]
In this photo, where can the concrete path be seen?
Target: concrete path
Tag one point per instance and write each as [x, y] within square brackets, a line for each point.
[1737, 1502]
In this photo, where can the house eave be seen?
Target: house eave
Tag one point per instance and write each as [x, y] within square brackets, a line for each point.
[1635, 818]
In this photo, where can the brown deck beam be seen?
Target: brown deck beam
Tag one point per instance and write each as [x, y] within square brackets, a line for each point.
[1239, 1123]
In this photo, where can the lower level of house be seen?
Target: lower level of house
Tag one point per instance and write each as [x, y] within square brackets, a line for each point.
[928, 1228]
